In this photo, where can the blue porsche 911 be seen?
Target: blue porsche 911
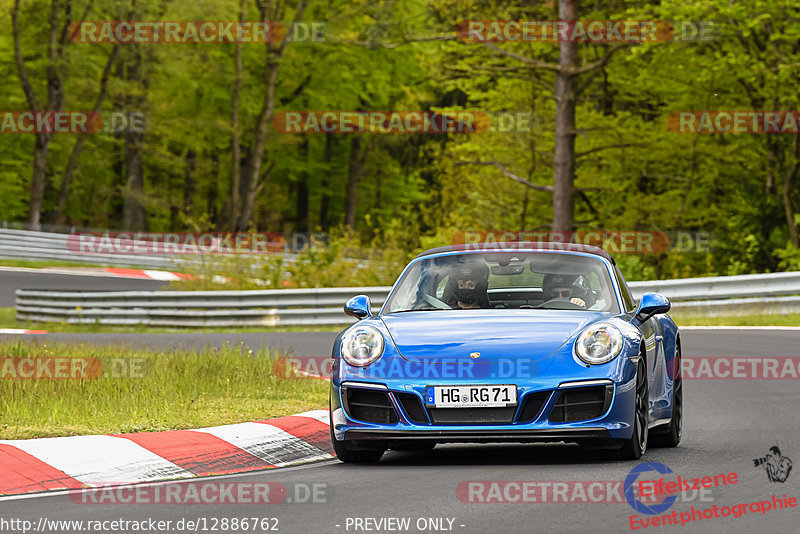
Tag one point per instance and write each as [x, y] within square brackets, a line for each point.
[523, 343]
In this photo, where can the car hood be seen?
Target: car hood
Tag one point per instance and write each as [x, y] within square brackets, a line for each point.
[498, 335]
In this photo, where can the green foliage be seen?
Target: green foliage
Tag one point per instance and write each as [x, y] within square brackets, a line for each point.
[345, 261]
[790, 258]
[416, 191]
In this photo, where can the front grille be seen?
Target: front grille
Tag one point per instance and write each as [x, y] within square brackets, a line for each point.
[412, 405]
[580, 404]
[369, 406]
[469, 416]
[532, 405]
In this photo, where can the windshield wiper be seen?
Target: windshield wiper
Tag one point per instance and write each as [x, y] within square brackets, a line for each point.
[429, 308]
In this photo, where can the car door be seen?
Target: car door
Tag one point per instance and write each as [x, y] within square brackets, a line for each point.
[651, 334]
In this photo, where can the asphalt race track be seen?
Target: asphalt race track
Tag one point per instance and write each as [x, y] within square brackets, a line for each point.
[728, 423]
[10, 281]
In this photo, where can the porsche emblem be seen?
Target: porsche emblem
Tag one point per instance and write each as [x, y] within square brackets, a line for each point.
[474, 355]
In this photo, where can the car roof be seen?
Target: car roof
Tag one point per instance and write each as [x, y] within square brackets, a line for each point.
[511, 246]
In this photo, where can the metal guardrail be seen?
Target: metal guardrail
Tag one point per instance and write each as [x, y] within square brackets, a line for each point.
[721, 287]
[48, 246]
[316, 307]
[28, 245]
[272, 307]
[734, 307]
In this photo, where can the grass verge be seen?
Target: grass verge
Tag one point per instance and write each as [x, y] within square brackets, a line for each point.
[143, 391]
[791, 319]
[8, 320]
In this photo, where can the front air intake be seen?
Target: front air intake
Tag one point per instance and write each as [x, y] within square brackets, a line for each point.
[580, 404]
[412, 405]
[532, 405]
[369, 406]
[472, 416]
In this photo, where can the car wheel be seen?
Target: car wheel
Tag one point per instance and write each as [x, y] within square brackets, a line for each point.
[351, 453]
[671, 437]
[636, 446]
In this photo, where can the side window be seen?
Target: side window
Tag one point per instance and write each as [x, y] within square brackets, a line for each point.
[627, 298]
[593, 280]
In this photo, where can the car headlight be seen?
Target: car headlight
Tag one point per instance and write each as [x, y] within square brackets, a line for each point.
[599, 343]
[362, 345]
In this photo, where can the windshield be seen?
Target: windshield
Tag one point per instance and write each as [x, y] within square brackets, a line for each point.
[508, 280]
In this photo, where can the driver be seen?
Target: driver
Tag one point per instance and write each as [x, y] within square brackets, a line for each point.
[561, 287]
[468, 283]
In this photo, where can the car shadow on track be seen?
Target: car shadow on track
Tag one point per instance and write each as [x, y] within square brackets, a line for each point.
[499, 454]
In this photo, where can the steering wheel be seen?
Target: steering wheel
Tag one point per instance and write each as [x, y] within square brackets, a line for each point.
[560, 305]
[436, 303]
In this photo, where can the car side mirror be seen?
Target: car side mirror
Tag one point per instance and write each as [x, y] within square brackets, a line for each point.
[651, 304]
[358, 307]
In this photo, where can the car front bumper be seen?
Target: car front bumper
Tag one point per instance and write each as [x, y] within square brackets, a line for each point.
[554, 419]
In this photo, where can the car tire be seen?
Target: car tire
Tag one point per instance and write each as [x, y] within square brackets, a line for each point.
[350, 453]
[634, 447]
[671, 436]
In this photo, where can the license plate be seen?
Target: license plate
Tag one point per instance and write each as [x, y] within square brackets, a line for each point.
[471, 396]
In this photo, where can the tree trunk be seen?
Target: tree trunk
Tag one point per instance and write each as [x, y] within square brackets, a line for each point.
[188, 182]
[40, 149]
[788, 177]
[325, 199]
[212, 194]
[564, 158]
[252, 171]
[789, 213]
[301, 198]
[236, 147]
[252, 181]
[134, 215]
[55, 100]
[532, 170]
[72, 163]
[353, 176]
